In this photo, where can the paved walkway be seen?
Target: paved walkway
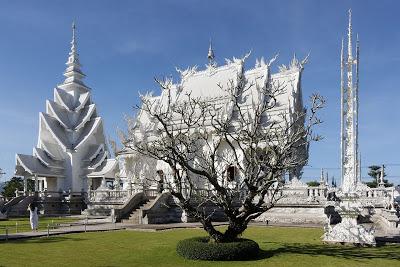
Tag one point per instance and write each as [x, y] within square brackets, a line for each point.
[65, 229]
[97, 225]
[103, 224]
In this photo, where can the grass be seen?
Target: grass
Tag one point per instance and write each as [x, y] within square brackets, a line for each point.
[23, 225]
[281, 247]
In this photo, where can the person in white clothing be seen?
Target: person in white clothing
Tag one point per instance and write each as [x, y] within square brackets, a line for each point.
[33, 216]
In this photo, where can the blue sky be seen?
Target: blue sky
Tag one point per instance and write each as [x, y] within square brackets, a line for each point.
[124, 44]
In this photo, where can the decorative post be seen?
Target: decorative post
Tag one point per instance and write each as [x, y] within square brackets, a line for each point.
[130, 185]
[322, 178]
[117, 180]
[36, 183]
[381, 181]
[25, 186]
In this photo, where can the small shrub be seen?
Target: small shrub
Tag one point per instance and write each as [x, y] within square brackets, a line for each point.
[200, 248]
[313, 183]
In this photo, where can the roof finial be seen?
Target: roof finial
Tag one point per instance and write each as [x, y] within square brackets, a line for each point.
[349, 34]
[73, 72]
[210, 55]
[73, 30]
[322, 178]
[381, 180]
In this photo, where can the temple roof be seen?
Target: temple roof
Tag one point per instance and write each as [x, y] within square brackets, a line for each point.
[33, 166]
[71, 139]
[108, 169]
[211, 84]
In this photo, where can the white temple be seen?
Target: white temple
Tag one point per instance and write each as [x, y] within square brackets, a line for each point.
[71, 158]
[205, 84]
[71, 154]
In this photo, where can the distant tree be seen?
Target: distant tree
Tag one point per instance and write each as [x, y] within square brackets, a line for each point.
[313, 183]
[375, 173]
[15, 183]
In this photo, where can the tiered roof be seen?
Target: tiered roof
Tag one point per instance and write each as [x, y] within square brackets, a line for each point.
[70, 127]
[206, 84]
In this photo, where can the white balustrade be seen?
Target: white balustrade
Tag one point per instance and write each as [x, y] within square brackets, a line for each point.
[108, 195]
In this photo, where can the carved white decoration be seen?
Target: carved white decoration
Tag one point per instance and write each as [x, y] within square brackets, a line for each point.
[71, 143]
[348, 230]
[349, 118]
[185, 74]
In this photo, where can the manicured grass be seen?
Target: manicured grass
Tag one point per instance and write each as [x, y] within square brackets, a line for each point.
[23, 225]
[281, 247]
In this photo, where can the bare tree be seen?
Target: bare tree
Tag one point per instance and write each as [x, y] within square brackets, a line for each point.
[240, 152]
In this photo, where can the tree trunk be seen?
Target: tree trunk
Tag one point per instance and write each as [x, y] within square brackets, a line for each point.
[235, 228]
[216, 235]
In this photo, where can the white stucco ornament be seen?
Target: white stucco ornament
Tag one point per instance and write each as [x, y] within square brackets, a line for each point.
[71, 144]
[348, 230]
[350, 205]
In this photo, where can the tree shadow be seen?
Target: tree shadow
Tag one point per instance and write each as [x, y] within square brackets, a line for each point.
[341, 251]
[42, 240]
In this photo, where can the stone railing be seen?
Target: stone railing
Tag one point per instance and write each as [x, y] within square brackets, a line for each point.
[317, 192]
[376, 192]
[23, 193]
[151, 193]
[46, 193]
[108, 195]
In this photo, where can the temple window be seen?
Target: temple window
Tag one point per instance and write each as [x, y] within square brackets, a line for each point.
[231, 173]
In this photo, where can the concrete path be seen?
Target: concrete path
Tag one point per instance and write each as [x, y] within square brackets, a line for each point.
[65, 229]
[96, 225]
[103, 224]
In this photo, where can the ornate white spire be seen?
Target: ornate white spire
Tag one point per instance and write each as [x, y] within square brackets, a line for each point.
[327, 178]
[71, 142]
[342, 109]
[210, 54]
[349, 118]
[322, 178]
[349, 36]
[356, 102]
[73, 72]
[381, 181]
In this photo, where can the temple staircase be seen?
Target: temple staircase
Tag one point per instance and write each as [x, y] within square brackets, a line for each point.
[135, 217]
[17, 206]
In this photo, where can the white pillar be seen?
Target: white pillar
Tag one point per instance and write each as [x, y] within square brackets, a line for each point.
[40, 185]
[89, 184]
[45, 186]
[130, 185]
[36, 183]
[25, 186]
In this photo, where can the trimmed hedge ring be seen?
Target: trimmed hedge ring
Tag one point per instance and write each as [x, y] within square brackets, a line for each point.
[199, 248]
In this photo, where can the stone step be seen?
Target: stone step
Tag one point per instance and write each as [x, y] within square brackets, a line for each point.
[134, 216]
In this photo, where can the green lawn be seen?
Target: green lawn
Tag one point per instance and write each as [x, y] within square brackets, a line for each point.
[23, 225]
[281, 247]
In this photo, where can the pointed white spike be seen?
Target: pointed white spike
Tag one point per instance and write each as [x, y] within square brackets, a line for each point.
[210, 54]
[349, 34]
[73, 72]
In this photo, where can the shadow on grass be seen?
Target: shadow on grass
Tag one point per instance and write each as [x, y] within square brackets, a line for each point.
[42, 240]
[347, 252]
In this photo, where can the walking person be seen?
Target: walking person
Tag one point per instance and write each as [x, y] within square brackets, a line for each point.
[33, 216]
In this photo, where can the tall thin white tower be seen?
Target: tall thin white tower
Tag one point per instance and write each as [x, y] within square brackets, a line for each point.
[349, 115]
